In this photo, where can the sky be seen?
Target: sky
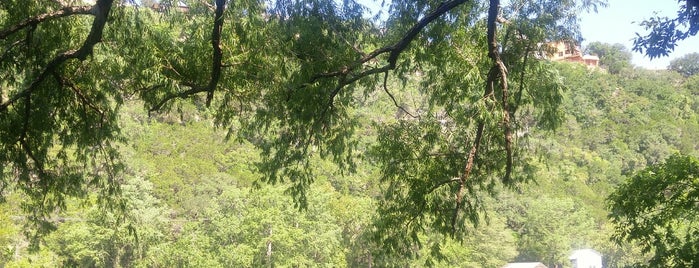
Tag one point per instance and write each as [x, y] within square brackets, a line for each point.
[619, 23]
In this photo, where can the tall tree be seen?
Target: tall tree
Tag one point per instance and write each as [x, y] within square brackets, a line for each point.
[613, 57]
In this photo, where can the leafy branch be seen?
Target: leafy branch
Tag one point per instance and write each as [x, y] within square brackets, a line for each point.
[349, 74]
[63, 12]
[216, 64]
[101, 12]
[498, 70]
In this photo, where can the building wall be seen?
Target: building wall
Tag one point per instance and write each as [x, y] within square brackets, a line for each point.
[586, 258]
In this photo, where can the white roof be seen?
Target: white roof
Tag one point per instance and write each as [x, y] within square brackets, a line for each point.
[582, 253]
[524, 265]
[590, 57]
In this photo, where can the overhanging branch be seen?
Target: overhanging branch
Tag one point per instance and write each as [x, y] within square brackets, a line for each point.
[346, 74]
[63, 12]
[501, 72]
[101, 12]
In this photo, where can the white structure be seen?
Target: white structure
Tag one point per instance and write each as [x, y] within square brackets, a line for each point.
[586, 258]
[525, 265]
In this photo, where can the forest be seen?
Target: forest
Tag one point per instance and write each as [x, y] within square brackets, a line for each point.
[311, 133]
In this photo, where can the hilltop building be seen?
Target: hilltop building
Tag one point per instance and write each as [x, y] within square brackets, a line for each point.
[567, 51]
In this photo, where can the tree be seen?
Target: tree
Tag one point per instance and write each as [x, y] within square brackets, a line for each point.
[284, 75]
[666, 32]
[686, 65]
[657, 209]
[614, 57]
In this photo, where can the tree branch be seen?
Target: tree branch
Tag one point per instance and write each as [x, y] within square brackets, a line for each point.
[518, 95]
[393, 51]
[81, 96]
[181, 95]
[385, 88]
[473, 153]
[498, 65]
[498, 70]
[216, 64]
[63, 12]
[23, 140]
[101, 12]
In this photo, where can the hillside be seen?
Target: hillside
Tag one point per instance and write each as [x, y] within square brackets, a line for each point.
[193, 198]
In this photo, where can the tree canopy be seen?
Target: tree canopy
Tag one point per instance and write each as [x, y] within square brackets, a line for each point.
[282, 75]
[686, 65]
[614, 57]
[657, 209]
[376, 156]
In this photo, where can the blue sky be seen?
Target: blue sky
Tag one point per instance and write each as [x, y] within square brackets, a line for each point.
[618, 23]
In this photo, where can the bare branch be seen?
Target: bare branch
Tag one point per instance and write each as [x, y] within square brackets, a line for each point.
[63, 12]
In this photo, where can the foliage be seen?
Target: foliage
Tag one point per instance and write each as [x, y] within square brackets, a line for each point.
[657, 209]
[613, 57]
[284, 77]
[686, 65]
[208, 211]
[551, 228]
[396, 138]
[666, 32]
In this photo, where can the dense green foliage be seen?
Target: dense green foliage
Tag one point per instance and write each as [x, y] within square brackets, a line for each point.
[657, 208]
[285, 77]
[192, 199]
[301, 133]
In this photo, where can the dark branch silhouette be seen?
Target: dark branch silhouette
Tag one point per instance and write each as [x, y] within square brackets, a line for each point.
[501, 72]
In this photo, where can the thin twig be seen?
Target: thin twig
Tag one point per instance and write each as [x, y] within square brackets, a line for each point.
[385, 88]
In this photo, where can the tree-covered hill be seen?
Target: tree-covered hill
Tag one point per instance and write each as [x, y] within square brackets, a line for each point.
[193, 197]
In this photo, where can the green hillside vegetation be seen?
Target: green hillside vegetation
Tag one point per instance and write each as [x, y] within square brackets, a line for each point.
[300, 133]
[193, 198]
